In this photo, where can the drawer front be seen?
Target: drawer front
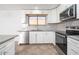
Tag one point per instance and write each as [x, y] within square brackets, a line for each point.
[73, 42]
[8, 48]
[72, 53]
[3, 45]
[72, 47]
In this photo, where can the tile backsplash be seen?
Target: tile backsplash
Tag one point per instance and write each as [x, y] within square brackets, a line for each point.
[62, 26]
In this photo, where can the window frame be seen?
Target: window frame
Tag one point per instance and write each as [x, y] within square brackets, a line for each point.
[37, 20]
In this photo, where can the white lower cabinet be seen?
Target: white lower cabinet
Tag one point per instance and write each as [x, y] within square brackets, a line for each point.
[23, 37]
[42, 37]
[32, 37]
[50, 36]
[7, 48]
[72, 46]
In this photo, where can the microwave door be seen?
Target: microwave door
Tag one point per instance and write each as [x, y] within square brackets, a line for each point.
[69, 13]
[65, 15]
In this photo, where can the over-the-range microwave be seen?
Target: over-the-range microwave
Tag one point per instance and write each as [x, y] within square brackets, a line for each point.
[69, 13]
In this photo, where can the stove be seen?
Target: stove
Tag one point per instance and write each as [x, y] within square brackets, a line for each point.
[61, 40]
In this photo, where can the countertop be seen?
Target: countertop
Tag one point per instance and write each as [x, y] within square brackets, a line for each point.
[33, 30]
[61, 32]
[5, 38]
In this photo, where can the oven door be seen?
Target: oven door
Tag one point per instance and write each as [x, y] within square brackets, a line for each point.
[61, 42]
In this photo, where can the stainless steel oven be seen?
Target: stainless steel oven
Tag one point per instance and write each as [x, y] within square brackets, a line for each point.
[61, 42]
[69, 13]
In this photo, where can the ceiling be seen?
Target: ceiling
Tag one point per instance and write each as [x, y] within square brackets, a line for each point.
[27, 6]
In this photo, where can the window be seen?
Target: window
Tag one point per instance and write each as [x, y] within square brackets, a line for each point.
[39, 20]
[32, 20]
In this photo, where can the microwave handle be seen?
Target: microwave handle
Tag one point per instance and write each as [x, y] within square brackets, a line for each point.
[69, 12]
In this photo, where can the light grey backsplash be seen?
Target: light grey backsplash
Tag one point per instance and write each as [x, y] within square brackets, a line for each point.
[62, 26]
[46, 27]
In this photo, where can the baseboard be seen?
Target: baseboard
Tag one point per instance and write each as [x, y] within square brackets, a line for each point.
[41, 44]
[36, 44]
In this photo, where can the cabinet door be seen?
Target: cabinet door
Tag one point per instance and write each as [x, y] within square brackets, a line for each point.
[40, 37]
[10, 48]
[57, 15]
[77, 11]
[50, 37]
[72, 46]
[2, 46]
[45, 40]
[32, 37]
[23, 37]
[52, 16]
[49, 17]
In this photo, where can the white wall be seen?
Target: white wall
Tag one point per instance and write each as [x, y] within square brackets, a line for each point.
[11, 20]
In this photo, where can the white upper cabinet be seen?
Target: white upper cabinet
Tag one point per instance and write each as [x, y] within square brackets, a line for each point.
[61, 8]
[53, 16]
[77, 11]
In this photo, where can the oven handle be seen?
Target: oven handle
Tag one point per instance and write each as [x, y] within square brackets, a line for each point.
[61, 35]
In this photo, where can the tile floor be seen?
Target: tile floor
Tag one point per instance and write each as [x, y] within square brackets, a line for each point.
[36, 49]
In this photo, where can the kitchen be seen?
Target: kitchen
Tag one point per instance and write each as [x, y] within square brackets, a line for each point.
[39, 29]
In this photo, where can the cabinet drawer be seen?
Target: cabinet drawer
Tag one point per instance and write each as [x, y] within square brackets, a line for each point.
[73, 49]
[72, 53]
[8, 48]
[74, 45]
[3, 45]
[73, 42]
